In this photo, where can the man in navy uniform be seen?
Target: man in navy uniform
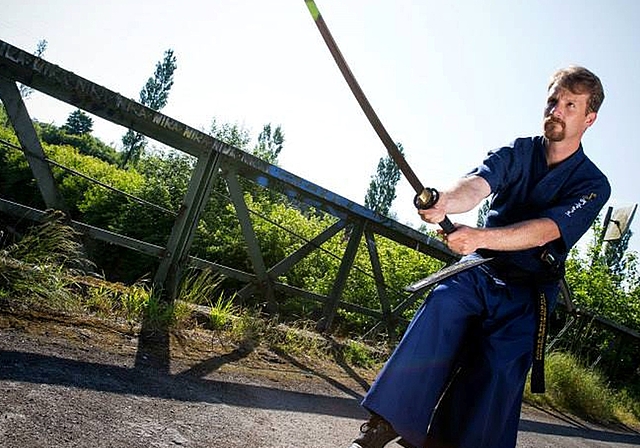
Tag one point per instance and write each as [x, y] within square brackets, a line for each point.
[457, 377]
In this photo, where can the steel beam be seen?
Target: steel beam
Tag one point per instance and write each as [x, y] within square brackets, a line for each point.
[31, 146]
[169, 273]
[253, 246]
[331, 306]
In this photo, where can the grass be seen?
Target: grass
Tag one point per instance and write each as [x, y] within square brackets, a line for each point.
[358, 354]
[41, 267]
[221, 313]
[583, 392]
[44, 270]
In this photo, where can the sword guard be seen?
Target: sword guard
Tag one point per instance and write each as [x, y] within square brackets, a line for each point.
[426, 199]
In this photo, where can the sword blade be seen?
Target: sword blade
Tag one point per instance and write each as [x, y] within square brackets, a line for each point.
[366, 107]
[445, 272]
[392, 148]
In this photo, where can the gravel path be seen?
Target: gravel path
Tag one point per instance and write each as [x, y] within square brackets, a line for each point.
[69, 382]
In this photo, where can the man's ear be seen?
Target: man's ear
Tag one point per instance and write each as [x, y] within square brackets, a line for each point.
[591, 118]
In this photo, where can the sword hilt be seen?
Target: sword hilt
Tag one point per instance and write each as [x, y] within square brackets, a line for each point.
[427, 199]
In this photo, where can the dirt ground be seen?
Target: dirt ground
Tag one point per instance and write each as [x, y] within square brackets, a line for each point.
[68, 381]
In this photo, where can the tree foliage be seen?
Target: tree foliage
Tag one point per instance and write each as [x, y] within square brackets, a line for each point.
[597, 290]
[270, 143]
[85, 143]
[78, 123]
[382, 188]
[16, 179]
[155, 92]
[616, 255]
[154, 95]
[268, 147]
[232, 134]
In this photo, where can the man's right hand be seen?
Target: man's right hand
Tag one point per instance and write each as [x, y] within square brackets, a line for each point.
[436, 213]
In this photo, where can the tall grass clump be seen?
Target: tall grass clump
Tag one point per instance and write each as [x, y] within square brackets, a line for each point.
[158, 314]
[203, 287]
[39, 268]
[200, 286]
[52, 242]
[581, 391]
[221, 313]
[133, 301]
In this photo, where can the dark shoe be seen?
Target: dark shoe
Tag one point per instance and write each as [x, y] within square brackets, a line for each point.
[375, 433]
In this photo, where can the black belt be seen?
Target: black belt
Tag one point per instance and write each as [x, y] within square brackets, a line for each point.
[537, 369]
[514, 275]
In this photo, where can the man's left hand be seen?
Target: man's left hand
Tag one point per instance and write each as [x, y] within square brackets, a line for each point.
[464, 240]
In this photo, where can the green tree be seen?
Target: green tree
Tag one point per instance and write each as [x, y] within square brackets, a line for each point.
[232, 134]
[382, 188]
[270, 143]
[78, 123]
[219, 232]
[154, 95]
[596, 288]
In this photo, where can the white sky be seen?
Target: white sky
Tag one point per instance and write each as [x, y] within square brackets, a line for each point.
[449, 80]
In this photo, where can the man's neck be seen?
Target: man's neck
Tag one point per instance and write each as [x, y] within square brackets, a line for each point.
[557, 152]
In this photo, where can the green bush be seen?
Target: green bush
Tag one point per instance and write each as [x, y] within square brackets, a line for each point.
[85, 143]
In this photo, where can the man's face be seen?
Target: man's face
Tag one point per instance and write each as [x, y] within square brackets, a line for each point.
[565, 116]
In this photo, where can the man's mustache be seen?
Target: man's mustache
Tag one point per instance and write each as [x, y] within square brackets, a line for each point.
[554, 120]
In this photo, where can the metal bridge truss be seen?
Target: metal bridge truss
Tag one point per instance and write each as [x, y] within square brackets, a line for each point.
[214, 158]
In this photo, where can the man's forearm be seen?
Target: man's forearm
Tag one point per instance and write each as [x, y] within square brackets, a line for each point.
[465, 194]
[520, 236]
[460, 198]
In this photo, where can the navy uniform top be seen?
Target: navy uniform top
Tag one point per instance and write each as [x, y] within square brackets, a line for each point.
[523, 186]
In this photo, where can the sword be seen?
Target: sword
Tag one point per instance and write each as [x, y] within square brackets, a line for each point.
[425, 197]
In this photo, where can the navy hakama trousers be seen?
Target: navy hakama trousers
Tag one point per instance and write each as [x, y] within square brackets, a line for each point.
[457, 377]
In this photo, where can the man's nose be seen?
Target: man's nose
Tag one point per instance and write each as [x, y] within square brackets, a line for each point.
[556, 111]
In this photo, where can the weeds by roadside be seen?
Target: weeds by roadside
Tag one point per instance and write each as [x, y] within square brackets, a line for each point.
[583, 392]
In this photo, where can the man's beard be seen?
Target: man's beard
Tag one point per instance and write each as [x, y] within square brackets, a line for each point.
[554, 129]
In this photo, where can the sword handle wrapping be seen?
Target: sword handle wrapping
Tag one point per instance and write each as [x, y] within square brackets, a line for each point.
[447, 226]
[428, 199]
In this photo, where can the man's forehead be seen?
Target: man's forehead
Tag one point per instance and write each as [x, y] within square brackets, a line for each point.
[557, 91]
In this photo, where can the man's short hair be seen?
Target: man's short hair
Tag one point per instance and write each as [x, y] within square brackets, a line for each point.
[579, 80]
